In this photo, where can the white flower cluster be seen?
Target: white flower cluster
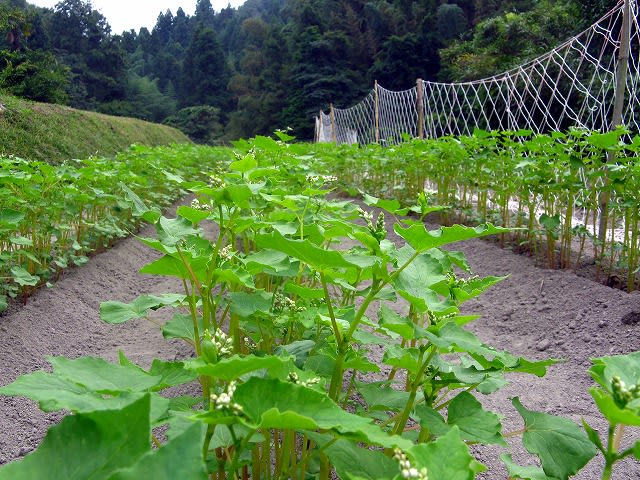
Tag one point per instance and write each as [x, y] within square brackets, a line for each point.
[406, 469]
[249, 343]
[195, 203]
[224, 400]
[322, 179]
[294, 378]
[222, 342]
[216, 182]
[226, 253]
[282, 302]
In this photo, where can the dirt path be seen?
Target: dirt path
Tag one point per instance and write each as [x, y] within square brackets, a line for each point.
[535, 313]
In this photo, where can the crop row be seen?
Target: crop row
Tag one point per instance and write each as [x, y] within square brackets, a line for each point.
[555, 187]
[52, 217]
[284, 291]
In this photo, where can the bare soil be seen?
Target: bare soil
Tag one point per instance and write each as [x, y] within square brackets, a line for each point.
[535, 313]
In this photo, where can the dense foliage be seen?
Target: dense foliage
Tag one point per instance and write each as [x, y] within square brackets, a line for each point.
[270, 63]
[285, 290]
[84, 209]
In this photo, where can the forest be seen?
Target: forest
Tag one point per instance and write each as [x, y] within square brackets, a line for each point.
[268, 64]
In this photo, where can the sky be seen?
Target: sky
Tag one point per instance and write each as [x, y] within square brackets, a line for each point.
[133, 14]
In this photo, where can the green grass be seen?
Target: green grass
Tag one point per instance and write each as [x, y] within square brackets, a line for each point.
[53, 133]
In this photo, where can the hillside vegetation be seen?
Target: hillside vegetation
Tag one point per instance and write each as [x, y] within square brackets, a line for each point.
[53, 133]
[268, 64]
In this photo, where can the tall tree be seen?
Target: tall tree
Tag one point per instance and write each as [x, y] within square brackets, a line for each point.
[204, 72]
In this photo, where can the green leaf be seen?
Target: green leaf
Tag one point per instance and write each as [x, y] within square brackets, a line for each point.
[170, 265]
[352, 461]
[246, 304]
[417, 281]
[271, 403]
[562, 447]
[245, 164]
[394, 322]
[118, 312]
[180, 458]
[406, 358]
[23, 278]
[299, 349]
[594, 436]
[451, 337]
[172, 231]
[316, 257]
[612, 412]
[170, 373]
[465, 412]
[627, 367]
[391, 206]
[3, 303]
[88, 445]
[472, 288]
[269, 261]
[549, 223]
[10, 217]
[421, 239]
[524, 473]
[194, 215]
[181, 326]
[447, 457]
[140, 209]
[22, 241]
[54, 393]
[237, 366]
[380, 397]
[98, 375]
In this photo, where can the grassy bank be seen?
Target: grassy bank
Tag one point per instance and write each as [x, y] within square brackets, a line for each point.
[52, 133]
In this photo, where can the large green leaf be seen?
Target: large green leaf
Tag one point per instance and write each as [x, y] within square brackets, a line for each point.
[245, 304]
[181, 326]
[10, 218]
[54, 393]
[88, 445]
[237, 366]
[391, 206]
[418, 281]
[563, 448]
[524, 473]
[352, 461]
[381, 397]
[422, 239]
[98, 375]
[316, 257]
[118, 312]
[170, 373]
[627, 367]
[23, 278]
[450, 337]
[172, 231]
[465, 412]
[139, 208]
[447, 457]
[180, 458]
[271, 403]
[612, 412]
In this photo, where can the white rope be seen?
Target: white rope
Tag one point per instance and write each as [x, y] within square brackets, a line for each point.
[573, 85]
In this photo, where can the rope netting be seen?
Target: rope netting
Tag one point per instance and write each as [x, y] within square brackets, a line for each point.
[573, 85]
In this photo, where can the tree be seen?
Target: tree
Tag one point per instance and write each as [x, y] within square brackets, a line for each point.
[503, 42]
[201, 124]
[204, 13]
[204, 72]
[451, 21]
[35, 75]
[81, 39]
